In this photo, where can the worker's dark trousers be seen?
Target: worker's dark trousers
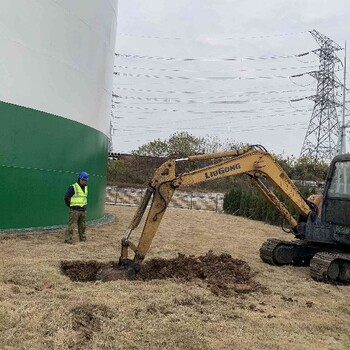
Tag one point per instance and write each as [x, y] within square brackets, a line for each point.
[79, 217]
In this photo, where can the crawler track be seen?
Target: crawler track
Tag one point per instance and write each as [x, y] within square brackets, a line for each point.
[278, 252]
[331, 267]
[268, 251]
[326, 266]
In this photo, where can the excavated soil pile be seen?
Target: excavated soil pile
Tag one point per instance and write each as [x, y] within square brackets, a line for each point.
[223, 274]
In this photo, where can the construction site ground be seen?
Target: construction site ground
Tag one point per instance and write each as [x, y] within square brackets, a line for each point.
[202, 286]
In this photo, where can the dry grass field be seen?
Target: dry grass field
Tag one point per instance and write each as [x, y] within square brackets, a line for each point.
[41, 308]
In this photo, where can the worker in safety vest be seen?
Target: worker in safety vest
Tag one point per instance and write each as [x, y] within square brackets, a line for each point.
[76, 200]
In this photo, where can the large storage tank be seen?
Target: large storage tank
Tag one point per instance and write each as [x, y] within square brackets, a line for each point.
[56, 72]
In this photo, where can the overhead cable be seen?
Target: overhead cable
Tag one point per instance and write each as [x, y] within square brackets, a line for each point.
[179, 59]
[261, 91]
[199, 39]
[153, 69]
[232, 127]
[151, 110]
[237, 119]
[164, 100]
[195, 79]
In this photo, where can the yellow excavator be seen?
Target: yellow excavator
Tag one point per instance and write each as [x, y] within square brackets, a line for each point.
[322, 229]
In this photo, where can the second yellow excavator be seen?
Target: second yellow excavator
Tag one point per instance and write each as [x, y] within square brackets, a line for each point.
[322, 230]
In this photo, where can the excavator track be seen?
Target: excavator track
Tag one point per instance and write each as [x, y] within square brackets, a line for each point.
[331, 267]
[277, 252]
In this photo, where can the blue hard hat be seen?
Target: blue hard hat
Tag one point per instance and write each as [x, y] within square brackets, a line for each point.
[83, 175]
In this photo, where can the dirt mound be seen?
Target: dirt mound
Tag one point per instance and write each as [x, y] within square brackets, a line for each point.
[223, 274]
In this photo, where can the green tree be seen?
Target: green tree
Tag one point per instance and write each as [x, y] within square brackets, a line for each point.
[183, 144]
[304, 168]
[156, 148]
[307, 168]
[180, 144]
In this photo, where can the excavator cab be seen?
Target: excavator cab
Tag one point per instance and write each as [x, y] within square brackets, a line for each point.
[325, 239]
[336, 201]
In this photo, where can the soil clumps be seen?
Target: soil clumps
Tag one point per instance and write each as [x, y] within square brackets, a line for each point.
[222, 274]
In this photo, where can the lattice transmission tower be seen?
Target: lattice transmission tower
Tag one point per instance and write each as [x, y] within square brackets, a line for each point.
[322, 134]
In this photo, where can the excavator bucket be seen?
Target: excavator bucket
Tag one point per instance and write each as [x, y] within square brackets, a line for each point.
[126, 270]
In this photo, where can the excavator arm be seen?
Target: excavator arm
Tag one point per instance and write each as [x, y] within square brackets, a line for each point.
[253, 161]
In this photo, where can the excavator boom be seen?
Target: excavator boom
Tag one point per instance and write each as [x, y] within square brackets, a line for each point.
[253, 161]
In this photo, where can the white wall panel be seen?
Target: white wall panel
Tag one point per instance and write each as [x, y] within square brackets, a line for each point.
[57, 56]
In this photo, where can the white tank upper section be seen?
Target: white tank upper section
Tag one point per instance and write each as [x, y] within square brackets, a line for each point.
[57, 56]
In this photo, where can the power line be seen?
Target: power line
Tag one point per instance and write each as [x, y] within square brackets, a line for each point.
[261, 91]
[227, 38]
[151, 110]
[217, 71]
[208, 118]
[167, 100]
[272, 127]
[199, 80]
[193, 59]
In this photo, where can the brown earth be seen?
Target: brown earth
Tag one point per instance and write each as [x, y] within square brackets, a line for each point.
[222, 274]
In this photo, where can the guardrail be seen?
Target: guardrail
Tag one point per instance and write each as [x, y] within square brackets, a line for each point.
[181, 199]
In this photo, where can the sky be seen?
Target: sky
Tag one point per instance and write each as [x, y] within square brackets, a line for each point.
[222, 69]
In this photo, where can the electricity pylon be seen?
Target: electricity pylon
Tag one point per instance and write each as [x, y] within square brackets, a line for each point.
[322, 135]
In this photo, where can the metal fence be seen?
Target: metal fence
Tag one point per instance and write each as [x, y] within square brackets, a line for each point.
[181, 199]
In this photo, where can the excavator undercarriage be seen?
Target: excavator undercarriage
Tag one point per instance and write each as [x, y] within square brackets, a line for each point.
[327, 264]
